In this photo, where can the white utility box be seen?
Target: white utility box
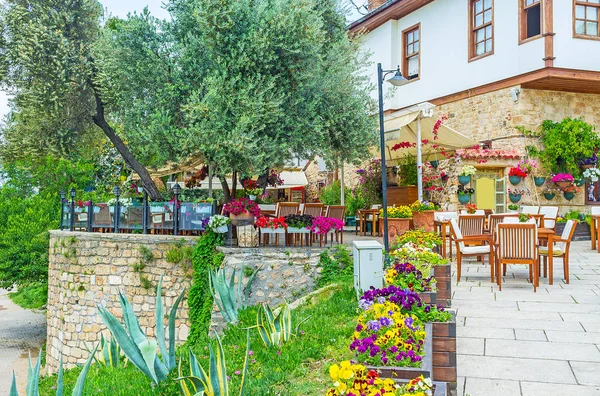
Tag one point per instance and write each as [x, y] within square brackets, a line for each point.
[368, 265]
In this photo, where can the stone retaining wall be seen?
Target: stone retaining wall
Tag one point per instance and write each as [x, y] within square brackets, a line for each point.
[86, 269]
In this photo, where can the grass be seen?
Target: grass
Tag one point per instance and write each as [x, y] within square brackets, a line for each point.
[299, 367]
[32, 296]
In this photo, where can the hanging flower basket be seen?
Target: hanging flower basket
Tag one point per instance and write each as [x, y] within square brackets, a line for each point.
[434, 164]
[549, 196]
[569, 195]
[539, 181]
[464, 179]
[514, 198]
[563, 184]
[464, 198]
[580, 182]
[515, 180]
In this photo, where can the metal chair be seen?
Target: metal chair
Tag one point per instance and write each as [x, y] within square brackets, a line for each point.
[462, 250]
[517, 244]
[560, 249]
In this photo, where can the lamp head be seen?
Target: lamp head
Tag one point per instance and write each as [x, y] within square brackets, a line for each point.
[72, 192]
[398, 80]
[117, 191]
[62, 194]
[177, 188]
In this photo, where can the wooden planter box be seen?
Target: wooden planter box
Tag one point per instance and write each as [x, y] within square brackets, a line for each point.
[582, 231]
[444, 353]
[405, 195]
[428, 297]
[443, 275]
[439, 388]
[409, 373]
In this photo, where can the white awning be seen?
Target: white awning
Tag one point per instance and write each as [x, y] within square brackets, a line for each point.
[291, 179]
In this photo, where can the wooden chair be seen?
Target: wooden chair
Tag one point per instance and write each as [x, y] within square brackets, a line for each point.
[560, 249]
[337, 212]
[494, 220]
[281, 210]
[530, 209]
[517, 244]
[103, 220]
[446, 216]
[550, 214]
[313, 209]
[462, 250]
[471, 224]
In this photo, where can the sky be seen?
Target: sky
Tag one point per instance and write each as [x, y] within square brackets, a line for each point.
[119, 8]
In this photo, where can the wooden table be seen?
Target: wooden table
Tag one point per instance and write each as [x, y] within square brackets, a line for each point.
[594, 227]
[440, 226]
[548, 234]
[362, 215]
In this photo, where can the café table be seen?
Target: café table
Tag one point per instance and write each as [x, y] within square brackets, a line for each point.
[363, 215]
[547, 234]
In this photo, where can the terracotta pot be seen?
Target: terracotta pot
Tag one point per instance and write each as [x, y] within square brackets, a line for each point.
[396, 227]
[423, 220]
[563, 184]
[242, 219]
[588, 166]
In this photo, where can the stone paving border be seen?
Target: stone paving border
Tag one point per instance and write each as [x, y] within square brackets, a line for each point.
[516, 342]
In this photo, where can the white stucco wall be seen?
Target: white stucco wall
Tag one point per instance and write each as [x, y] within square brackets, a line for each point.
[445, 67]
[570, 52]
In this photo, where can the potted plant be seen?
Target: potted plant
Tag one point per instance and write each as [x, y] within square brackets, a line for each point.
[515, 195]
[423, 215]
[299, 224]
[271, 225]
[241, 211]
[398, 221]
[513, 208]
[323, 225]
[251, 188]
[515, 175]
[218, 224]
[562, 180]
[570, 191]
[434, 164]
[589, 162]
[471, 208]
[464, 177]
[539, 180]
[524, 217]
[464, 194]
[550, 193]
[592, 173]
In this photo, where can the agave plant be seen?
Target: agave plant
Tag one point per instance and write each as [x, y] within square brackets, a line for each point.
[275, 330]
[141, 351]
[230, 298]
[213, 383]
[33, 378]
[110, 353]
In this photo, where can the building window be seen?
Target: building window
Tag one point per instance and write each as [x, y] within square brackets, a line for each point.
[482, 27]
[587, 14]
[531, 19]
[412, 50]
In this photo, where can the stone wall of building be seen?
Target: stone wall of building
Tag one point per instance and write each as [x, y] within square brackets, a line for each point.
[87, 269]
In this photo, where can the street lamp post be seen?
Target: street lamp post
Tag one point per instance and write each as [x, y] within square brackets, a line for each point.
[72, 193]
[397, 81]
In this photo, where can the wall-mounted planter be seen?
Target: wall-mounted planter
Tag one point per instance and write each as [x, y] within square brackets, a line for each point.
[464, 179]
[539, 181]
[569, 195]
[580, 182]
[549, 196]
[434, 164]
[563, 184]
[514, 180]
[514, 198]
[464, 198]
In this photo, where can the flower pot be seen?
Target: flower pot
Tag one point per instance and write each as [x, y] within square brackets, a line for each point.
[221, 229]
[464, 179]
[423, 220]
[539, 181]
[396, 227]
[514, 180]
[252, 197]
[514, 198]
[298, 230]
[243, 219]
[569, 195]
[587, 166]
[548, 196]
[513, 211]
[464, 198]
[434, 164]
[580, 182]
[563, 184]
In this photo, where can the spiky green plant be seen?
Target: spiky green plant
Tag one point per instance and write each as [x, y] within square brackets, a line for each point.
[141, 351]
[33, 378]
[229, 297]
[213, 383]
[110, 353]
[275, 330]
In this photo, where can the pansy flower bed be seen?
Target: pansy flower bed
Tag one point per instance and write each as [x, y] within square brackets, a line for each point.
[385, 336]
[407, 276]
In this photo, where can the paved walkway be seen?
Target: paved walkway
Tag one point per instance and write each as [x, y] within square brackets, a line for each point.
[21, 331]
[517, 342]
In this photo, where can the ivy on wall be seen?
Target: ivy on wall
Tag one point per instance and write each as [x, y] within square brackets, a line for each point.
[200, 301]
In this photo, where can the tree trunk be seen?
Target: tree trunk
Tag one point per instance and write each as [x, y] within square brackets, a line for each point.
[234, 187]
[226, 193]
[122, 148]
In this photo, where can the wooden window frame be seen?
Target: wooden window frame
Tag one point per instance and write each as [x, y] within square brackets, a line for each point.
[523, 21]
[404, 51]
[472, 30]
[574, 19]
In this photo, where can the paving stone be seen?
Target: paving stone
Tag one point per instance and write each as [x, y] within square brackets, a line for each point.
[529, 306]
[548, 389]
[530, 335]
[491, 387]
[470, 346]
[508, 313]
[581, 317]
[542, 350]
[460, 386]
[529, 295]
[510, 368]
[524, 324]
[485, 332]
[587, 373]
[574, 337]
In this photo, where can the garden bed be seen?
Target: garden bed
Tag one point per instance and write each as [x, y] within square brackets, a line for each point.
[443, 276]
[582, 231]
[408, 373]
[428, 297]
[444, 352]
[439, 388]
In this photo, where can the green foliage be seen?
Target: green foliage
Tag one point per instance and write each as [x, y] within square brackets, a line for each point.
[200, 301]
[31, 296]
[215, 382]
[564, 143]
[136, 346]
[337, 265]
[274, 330]
[229, 297]
[332, 194]
[180, 254]
[408, 171]
[146, 254]
[354, 202]
[110, 353]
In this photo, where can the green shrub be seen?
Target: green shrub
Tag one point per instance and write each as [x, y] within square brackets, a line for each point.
[31, 296]
[337, 265]
[331, 194]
